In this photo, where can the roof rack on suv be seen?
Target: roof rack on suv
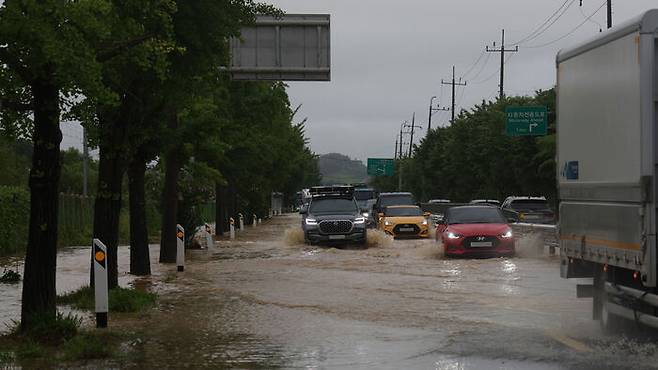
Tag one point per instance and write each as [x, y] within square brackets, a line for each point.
[334, 190]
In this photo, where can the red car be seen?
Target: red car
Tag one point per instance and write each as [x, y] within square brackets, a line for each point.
[478, 231]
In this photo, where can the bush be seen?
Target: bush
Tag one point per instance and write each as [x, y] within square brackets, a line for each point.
[14, 218]
[87, 346]
[51, 329]
[120, 299]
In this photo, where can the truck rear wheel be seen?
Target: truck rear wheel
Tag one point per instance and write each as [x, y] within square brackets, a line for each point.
[609, 322]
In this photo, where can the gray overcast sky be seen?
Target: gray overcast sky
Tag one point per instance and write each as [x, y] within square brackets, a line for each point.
[388, 59]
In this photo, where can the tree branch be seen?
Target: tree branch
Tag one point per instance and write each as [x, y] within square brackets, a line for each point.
[14, 105]
[14, 63]
[118, 48]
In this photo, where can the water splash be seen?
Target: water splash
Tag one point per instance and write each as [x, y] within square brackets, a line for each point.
[378, 239]
[530, 245]
[294, 236]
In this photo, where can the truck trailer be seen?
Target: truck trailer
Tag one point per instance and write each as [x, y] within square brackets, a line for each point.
[607, 170]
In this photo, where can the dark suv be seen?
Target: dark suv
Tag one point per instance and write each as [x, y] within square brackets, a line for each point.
[333, 215]
[392, 199]
[534, 210]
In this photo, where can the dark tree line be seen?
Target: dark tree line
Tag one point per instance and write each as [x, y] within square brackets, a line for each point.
[144, 78]
[474, 159]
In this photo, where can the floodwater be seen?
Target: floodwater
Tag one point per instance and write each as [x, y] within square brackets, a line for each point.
[266, 300]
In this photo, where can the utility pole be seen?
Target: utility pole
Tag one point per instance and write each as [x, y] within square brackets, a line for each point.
[432, 110]
[404, 124]
[395, 153]
[453, 83]
[502, 51]
[413, 126]
[85, 162]
[609, 13]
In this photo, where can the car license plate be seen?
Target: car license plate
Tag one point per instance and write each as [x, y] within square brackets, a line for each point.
[406, 229]
[336, 237]
[481, 244]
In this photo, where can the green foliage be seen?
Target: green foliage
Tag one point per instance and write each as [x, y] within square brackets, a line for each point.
[15, 161]
[120, 299]
[87, 346]
[71, 178]
[49, 329]
[130, 300]
[14, 216]
[30, 349]
[473, 158]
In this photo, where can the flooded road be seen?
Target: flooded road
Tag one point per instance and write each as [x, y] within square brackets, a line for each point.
[267, 300]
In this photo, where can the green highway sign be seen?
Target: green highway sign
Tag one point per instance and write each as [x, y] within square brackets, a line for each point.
[527, 121]
[380, 167]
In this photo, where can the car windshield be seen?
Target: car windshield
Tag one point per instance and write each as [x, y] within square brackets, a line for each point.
[394, 200]
[364, 195]
[530, 205]
[475, 215]
[403, 211]
[333, 205]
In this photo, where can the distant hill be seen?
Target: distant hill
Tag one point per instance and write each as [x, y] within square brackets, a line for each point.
[337, 168]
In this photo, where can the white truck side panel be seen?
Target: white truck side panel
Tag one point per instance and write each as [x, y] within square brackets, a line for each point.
[599, 99]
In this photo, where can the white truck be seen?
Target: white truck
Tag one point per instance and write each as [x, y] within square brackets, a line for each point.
[607, 159]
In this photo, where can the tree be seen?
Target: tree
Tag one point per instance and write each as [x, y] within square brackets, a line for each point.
[473, 158]
[48, 51]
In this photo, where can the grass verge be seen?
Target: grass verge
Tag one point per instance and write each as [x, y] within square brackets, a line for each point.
[52, 340]
[120, 299]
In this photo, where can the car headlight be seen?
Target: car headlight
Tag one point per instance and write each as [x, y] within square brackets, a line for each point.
[387, 223]
[359, 220]
[311, 221]
[508, 234]
[366, 214]
[452, 235]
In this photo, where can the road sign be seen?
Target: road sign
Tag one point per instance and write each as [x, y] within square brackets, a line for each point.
[526, 121]
[292, 47]
[380, 167]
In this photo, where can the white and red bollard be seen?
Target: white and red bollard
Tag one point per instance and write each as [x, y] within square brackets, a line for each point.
[180, 248]
[99, 251]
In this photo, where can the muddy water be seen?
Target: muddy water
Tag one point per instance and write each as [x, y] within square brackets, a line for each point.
[266, 300]
[72, 273]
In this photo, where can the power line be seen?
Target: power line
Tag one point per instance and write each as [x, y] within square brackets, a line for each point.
[547, 23]
[570, 32]
[493, 74]
[473, 65]
[582, 13]
[486, 61]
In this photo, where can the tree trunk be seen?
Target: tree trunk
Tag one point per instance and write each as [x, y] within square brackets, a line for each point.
[170, 207]
[107, 206]
[140, 261]
[220, 211]
[41, 256]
